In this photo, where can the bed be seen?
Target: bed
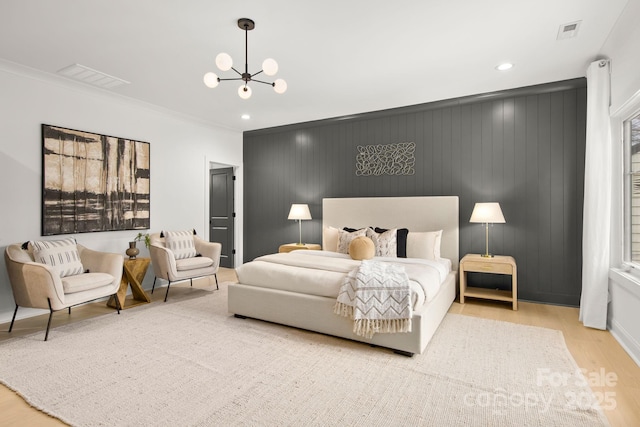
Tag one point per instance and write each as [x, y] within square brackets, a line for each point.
[287, 294]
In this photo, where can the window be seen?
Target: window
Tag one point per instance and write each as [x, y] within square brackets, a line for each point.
[632, 187]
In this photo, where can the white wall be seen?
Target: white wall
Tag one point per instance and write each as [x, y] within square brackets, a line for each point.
[622, 48]
[181, 151]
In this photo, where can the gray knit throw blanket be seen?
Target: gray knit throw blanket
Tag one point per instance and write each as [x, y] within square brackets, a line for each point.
[377, 297]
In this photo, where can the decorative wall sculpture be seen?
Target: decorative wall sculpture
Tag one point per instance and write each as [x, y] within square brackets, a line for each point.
[93, 182]
[386, 159]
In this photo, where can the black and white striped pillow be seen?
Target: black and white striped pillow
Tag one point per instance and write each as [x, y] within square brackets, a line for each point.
[60, 255]
[180, 243]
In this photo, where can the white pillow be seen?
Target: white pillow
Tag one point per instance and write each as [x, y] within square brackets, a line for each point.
[345, 238]
[180, 243]
[425, 245]
[436, 249]
[386, 243]
[61, 255]
[330, 239]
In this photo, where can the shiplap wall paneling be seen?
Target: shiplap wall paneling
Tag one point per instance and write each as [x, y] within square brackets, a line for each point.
[522, 148]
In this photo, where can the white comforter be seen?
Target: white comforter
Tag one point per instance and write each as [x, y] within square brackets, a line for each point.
[321, 273]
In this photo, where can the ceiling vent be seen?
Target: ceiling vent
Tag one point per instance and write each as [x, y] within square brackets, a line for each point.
[91, 76]
[567, 31]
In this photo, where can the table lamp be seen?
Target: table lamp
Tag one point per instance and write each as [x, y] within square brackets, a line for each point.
[299, 212]
[487, 213]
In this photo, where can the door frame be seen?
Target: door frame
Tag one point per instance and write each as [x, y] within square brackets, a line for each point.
[237, 197]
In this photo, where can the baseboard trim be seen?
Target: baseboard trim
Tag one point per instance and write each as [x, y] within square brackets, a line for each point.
[630, 345]
[23, 313]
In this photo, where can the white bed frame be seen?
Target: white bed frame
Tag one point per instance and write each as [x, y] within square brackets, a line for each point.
[315, 313]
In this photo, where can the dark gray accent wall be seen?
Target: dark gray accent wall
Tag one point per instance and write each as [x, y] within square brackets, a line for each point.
[523, 148]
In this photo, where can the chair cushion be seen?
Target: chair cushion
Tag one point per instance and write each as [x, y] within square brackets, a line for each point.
[61, 255]
[193, 263]
[84, 282]
[180, 243]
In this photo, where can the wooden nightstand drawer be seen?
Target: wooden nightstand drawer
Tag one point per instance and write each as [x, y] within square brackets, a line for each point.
[498, 264]
[482, 267]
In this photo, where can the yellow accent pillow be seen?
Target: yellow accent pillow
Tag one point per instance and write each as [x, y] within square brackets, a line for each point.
[362, 248]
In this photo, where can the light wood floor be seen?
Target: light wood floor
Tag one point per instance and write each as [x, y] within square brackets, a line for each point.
[597, 352]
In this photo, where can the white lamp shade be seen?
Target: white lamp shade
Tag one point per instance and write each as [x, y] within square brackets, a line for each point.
[280, 86]
[244, 91]
[211, 80]
[299, 211]
[224, 61]
[270, 66]
[487, 213]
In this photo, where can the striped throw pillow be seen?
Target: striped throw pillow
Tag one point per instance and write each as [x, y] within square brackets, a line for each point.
[60, 255]
[180, 243]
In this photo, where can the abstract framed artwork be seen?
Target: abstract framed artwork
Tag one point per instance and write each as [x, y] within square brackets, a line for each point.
[93, 182]
[386, 159]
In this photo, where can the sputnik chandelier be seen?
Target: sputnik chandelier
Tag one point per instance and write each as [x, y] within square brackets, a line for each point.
[225, 63]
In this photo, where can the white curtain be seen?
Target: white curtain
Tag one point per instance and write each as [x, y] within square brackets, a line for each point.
[597, 199]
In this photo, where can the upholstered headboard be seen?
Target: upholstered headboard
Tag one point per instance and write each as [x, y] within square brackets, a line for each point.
[414, 213]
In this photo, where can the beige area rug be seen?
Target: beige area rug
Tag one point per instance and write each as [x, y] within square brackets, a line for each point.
[187, 362]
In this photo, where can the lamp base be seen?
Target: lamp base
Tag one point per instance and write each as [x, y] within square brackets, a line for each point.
[300, 244]
[487, 255]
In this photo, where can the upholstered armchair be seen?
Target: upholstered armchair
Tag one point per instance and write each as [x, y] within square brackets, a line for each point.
[181, 255]
[37, 284]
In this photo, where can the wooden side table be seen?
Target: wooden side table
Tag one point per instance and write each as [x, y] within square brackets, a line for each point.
[294, 246]
[132, 274]
[495, 265]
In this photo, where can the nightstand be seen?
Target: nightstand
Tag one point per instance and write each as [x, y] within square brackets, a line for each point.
[294, 246]
[495, 265]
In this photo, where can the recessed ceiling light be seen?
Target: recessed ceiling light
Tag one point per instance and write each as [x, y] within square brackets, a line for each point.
[245, 117]
[504, 66]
